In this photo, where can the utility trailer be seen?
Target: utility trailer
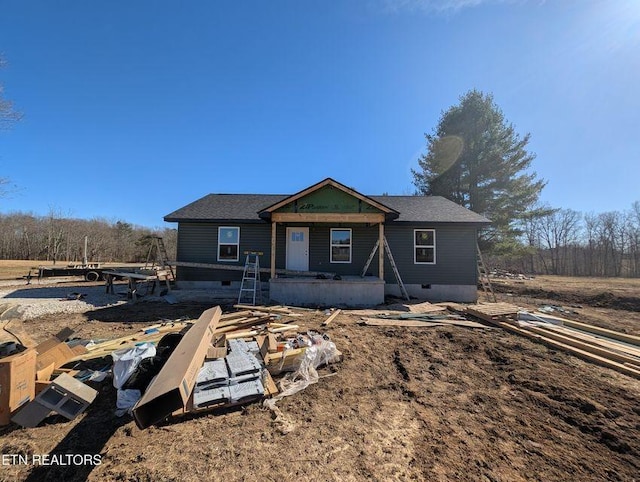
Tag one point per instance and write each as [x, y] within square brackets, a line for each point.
[90, 271]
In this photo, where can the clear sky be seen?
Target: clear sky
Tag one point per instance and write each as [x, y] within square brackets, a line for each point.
[134, 109]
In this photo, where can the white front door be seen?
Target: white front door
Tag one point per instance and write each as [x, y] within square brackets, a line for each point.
[298, 249]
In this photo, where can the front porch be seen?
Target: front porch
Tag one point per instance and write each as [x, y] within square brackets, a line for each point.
[352, 291]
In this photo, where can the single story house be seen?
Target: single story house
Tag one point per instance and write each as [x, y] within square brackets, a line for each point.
[316, 243]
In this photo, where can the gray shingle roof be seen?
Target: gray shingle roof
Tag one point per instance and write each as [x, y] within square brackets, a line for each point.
[430, 209]
[245, 208]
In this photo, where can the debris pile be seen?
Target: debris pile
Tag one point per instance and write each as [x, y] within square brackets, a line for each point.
[166, 369]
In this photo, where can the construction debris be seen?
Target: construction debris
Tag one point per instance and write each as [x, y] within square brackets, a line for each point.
[220, 360]
[168, 368]
[65, 395]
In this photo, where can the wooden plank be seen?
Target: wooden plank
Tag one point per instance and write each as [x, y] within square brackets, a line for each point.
[616, 335]
[266, 309]
[423, 323]
[137, 276]
[270, 387]
[594, 339]
[490, 312]
[380, 252]
[332, 317]
[404, 323]
[234, 315]
[188, 264]
[277, 357]
[590, 357]
[272, 343]
[328, 217]
[241, 334]
[600, 351]
[251, 322]
[425, 307]
[272, 268]
[283, 329]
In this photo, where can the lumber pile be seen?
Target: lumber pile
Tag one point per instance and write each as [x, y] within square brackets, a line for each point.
[421, 320]
[601, 346]
[493, 311]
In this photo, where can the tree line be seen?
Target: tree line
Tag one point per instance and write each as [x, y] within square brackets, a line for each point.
[54, 238]
[570, 243]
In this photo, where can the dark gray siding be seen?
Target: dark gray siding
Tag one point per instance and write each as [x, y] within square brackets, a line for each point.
[455, 251]
[455, 255]
[198, 243]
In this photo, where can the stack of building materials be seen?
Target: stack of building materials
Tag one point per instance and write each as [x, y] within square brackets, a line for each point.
[216, 361]
[236, 378]
[608, 348]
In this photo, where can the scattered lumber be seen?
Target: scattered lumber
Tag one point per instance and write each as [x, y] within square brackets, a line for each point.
[267, 309]
[422, 323]
[585, 355]
[332, 317]
[591, 348]
[597, 340]
[407, 323]
[425, 307]
[493, 311]
[616, 335]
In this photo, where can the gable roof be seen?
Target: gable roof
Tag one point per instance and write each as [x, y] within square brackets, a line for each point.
[244, 208]
[265, 213]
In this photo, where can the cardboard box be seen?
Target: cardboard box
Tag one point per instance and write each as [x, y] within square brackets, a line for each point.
[171, 389]
[53, 353]
[17, 382]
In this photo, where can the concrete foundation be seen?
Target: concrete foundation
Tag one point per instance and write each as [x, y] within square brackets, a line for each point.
[351, 291]
[435, 293]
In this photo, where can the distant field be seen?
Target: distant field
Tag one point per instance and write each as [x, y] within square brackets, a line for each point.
[16, 268]
[586, 285]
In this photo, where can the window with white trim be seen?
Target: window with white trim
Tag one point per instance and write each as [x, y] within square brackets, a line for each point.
[228, 243]
[424, 246]
[340, 245]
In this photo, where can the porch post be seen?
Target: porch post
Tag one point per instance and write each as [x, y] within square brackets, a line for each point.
[381, 252]
[273, 249]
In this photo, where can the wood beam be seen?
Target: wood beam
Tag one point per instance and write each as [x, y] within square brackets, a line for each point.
[327, 217]
[273, 249]
[381, 251]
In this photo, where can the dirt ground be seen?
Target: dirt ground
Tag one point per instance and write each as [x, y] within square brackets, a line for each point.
[405, 404]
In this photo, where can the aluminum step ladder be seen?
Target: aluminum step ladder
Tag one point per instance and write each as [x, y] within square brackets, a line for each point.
[251, 285]
[392, 262]
[483, 276]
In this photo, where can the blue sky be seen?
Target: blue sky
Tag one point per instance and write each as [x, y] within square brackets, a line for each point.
[134, 109]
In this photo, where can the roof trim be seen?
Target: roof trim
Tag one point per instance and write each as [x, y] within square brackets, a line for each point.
[266, 212]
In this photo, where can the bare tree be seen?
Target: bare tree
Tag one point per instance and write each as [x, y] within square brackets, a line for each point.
[558, 231]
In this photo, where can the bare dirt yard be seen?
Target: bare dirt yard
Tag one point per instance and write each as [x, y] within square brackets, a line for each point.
[440, 403]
